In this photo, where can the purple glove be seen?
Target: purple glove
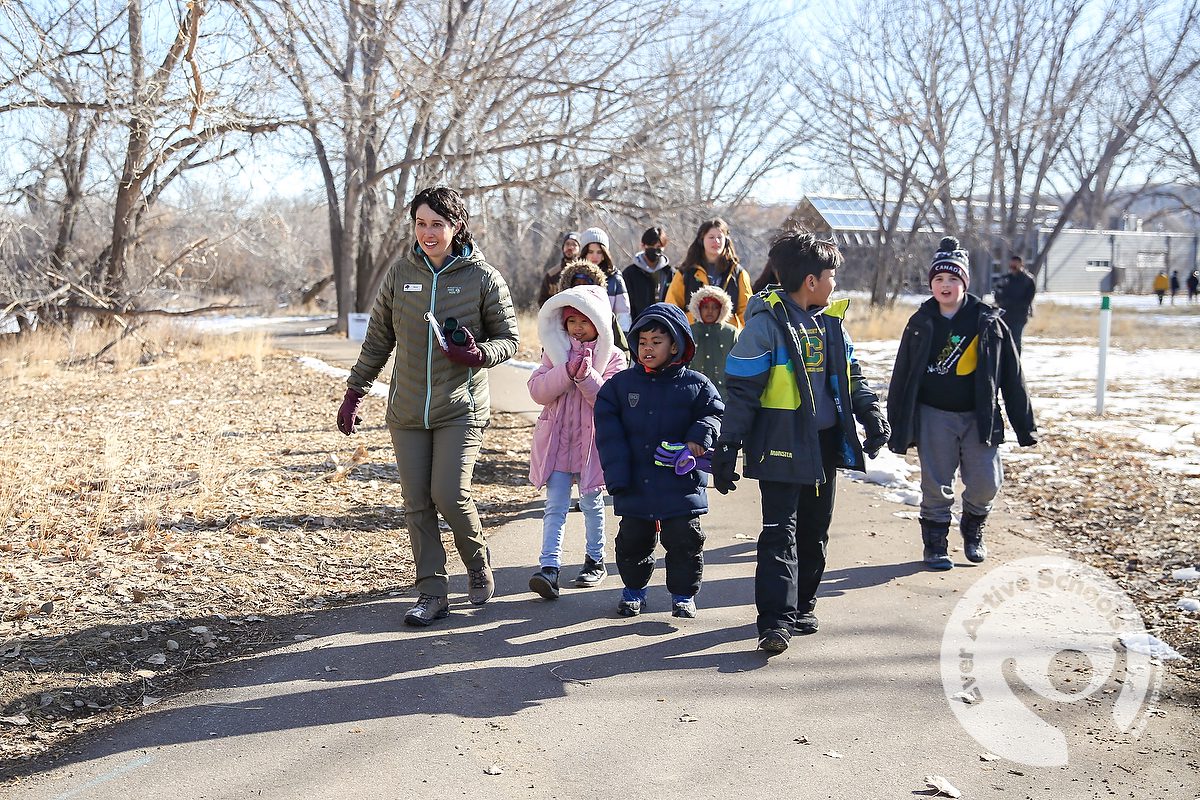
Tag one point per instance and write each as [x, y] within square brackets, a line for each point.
[347, 418]
[679, 457]
[574, 362]
[467, 353]
[584, 368]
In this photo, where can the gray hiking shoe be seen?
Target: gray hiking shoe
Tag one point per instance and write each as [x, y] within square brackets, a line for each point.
[429, 607]
[480, 584]
[592, 574]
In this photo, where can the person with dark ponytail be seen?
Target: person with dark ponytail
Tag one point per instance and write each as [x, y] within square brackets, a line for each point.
[447, 317]
[712, 261]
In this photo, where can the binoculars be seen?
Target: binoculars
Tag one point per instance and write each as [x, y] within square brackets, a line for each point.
[453, 332]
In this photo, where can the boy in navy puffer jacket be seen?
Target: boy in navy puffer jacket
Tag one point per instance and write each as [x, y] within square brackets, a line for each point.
[657, 400]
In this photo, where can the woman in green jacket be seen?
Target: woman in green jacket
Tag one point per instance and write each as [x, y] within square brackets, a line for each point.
[438, 402]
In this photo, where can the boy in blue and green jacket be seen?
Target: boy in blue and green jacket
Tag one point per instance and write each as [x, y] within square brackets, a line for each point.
[793, 391]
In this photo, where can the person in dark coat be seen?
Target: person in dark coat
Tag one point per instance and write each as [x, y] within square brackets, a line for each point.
[1193, 285]
[647, 278]
[1174, 285]
[956, 357]
[793, 390]
[1014, 293]
[657, 400]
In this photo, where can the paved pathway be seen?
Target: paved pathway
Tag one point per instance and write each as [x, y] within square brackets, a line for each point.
[567, 700]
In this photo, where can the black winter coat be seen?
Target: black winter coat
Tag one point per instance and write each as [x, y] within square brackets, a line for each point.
[645, 288]
[636, 410]
[998, 372]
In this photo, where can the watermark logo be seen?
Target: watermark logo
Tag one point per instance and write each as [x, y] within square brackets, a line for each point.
[1037, 632]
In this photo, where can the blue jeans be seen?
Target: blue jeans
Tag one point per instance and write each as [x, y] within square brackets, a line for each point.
[554, 523]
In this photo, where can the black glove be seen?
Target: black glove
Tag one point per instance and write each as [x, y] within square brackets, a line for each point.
[724, 462]
[877, 434]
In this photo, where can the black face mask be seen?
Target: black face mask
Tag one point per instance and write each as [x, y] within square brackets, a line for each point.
[653, 254]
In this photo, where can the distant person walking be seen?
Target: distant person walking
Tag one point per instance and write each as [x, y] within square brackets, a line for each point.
[1174, 285]
[1014, 293]
[712, 261]
[648, 277]
[570, 252]
[1193, 285]
[1161, 284]
[438, 401]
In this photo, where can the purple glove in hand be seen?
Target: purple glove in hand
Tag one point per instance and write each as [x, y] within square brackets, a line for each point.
[679, 457]
[347, 418]
[468, 354]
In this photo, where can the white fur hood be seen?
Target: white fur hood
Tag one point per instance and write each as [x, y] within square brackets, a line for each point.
[714, 292]
[592, 301]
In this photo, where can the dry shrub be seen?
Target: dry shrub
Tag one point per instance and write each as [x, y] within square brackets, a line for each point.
[868, 323]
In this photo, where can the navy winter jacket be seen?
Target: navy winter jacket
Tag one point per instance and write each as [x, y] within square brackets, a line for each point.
[637, 409]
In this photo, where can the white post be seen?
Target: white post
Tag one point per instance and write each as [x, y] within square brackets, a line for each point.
[1105, 327]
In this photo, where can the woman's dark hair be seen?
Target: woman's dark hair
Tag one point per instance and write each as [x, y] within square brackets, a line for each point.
[448, 204]
[728, 259]
[794, 255]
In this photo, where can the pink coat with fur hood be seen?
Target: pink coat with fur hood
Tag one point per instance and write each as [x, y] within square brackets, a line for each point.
[568, 402]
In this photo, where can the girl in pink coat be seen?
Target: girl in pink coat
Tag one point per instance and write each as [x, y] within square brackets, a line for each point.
[578, 356]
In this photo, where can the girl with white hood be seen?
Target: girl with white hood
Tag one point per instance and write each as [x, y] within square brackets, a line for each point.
[578, 356]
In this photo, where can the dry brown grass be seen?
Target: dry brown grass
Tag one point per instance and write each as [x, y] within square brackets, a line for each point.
[530, 348]
[48, 351]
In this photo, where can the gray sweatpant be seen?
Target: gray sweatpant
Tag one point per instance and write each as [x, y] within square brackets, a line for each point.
[948, 442]
[436, 467]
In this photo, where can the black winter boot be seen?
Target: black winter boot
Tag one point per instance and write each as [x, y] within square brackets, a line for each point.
[936, 537]
[972, 526]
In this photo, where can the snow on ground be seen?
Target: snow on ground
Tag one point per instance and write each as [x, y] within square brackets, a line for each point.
[231, 324]
[1151, 394]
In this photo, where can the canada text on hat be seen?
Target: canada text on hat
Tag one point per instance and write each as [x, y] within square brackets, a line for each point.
[952, 259]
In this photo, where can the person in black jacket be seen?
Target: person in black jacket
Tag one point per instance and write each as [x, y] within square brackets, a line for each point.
[647, 278]
[1014, 293]
[956, 357]
[657, 400]
[793, 390]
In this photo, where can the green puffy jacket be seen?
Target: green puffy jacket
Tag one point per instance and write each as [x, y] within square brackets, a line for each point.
[427, 389]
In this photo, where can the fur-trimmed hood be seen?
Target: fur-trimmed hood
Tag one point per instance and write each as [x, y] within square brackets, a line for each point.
[592, 301]
[718, 294]
[581, 267]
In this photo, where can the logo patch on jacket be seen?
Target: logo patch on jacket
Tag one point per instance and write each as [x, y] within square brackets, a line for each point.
[633, 398]
[453, 290]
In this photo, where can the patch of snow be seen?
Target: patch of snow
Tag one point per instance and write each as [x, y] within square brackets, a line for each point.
[1150, 645]
[1186, 574]
[232, 324]
[316, 364]
[529, 365]
[908, 497]
[1189, 604]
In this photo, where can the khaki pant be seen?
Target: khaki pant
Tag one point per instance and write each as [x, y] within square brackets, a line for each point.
[435, 468]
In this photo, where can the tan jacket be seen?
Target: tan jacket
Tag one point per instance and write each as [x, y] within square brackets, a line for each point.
[427, 389]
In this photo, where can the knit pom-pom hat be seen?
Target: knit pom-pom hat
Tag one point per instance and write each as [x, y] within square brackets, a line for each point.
[953, 259]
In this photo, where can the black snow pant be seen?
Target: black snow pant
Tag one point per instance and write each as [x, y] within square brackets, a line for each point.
[683, 540]
[791, 547]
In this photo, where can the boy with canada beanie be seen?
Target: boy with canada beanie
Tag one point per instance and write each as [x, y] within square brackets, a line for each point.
[956, 357]
[794, 391]
[656, 403]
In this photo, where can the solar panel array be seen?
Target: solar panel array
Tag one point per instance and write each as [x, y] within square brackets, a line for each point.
[859, 214]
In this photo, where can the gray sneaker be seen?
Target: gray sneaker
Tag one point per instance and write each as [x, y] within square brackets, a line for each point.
[429, 607]
[480, 584]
